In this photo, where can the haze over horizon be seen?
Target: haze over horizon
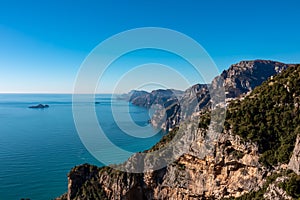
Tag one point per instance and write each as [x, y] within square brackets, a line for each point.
[43, 44]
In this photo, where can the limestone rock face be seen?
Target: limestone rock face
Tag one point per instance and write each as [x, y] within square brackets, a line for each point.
[294, 163]
[172, 112]
[244, 76]
[274, 192]
[237, 81]
[230, 171]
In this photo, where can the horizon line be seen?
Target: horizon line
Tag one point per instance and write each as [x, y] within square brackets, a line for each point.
[52, 93]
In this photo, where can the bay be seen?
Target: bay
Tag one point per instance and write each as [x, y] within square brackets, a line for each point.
[38, 147]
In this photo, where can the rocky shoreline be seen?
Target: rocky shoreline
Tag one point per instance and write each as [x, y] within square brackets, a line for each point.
[211, 165]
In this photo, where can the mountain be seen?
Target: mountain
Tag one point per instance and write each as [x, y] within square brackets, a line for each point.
[244, 76]
[255, 155]
[158, 100]
[238, 80]
[156, 97]
[170, 113]
[133, 94]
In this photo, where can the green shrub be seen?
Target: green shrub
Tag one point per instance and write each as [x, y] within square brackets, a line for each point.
[269, 117]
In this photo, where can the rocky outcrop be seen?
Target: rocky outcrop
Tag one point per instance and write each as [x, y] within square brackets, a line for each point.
[244, 76]
[132, 95]
[237, 81]
[173, 111]
[81, 183]
[162, 102]
[294, 163]
[275, 192]
[230, 171]
[39, 106]
[156, 97]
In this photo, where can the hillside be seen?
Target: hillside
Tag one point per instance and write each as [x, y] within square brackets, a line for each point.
[239, 79]
[270, 116]
[255, 156]
[156, 97]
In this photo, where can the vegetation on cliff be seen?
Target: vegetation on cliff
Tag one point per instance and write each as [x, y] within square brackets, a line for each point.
[270, 116]
[291, 186]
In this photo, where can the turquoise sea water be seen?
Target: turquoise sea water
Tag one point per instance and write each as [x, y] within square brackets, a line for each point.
[38, 147]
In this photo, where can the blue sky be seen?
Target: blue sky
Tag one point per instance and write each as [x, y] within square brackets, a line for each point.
[43, 43]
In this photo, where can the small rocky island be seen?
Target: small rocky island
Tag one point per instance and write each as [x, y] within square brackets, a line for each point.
[39, 106]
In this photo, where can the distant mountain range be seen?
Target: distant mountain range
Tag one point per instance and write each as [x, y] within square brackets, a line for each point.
[146, 99]
[256, 156]
[238, 80]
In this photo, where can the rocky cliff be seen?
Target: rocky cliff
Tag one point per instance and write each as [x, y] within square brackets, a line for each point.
[173, 111]
[156, 97]
[249, 159]
[244, 76]
[294, 163]
[238, 80]
[232, 170]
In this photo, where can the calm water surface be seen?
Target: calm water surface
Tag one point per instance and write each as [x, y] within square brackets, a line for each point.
[38, 147]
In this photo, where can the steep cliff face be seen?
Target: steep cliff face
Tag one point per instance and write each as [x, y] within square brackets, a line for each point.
[254, 147]
[230, 171]
[238, 80]
[156, 97]
[170, 113]
[294, 163]
[244, 76]
[133, 94]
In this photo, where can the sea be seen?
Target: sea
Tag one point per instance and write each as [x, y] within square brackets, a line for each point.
[38, 147]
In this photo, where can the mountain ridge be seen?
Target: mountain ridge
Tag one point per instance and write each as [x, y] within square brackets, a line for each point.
[238, 80]
[234, 167]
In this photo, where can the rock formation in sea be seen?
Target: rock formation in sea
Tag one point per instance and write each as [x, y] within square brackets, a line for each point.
[39, 106]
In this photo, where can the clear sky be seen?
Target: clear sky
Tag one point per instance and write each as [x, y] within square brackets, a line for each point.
[43, 43]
